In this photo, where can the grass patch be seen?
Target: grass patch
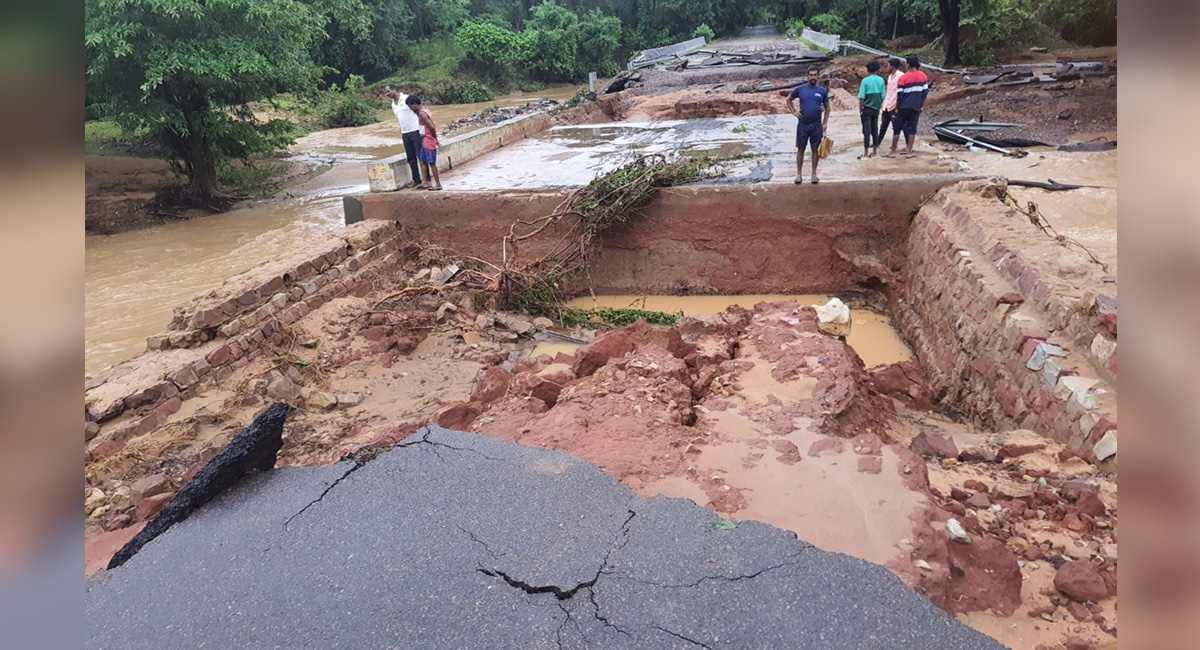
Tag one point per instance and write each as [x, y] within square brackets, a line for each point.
[256, 178]
[107, 138]
[601, 318]
[433, 61]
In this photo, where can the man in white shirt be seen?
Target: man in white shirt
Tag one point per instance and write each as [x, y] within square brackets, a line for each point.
[410, 129]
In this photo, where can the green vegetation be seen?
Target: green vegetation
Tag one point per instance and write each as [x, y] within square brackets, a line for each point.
[742, 128]
[349, 107]
[607, 318]
[186, 71]
[183, 74]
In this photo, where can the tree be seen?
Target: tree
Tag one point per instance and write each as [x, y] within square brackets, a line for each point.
[376, 55]
[951, 11]
[185, 71]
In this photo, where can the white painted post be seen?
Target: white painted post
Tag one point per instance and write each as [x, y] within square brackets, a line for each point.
[592, 82]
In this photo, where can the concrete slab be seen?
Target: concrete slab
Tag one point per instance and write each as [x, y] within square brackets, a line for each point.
[570, 156]
[454, 540]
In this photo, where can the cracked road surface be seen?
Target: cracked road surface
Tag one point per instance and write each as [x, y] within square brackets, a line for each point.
[453, 540]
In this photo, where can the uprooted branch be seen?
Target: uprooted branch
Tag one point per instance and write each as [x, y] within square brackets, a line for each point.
[611, 200]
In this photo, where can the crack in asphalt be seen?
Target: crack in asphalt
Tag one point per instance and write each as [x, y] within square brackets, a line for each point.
[326, 491]
[424, 440]
[680, 636]
[558, 591]
[568, 619]
[482, 543]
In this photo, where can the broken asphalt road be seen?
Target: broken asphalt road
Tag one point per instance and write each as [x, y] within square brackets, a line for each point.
[453, 540]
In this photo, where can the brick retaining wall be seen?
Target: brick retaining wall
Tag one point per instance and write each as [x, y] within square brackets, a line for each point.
[223, 329]
[993, 309]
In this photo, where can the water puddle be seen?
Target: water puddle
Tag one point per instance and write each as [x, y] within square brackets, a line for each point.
[872, 336]
[826, 500]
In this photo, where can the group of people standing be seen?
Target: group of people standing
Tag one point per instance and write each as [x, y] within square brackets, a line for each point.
[898, 100]
[418, 147]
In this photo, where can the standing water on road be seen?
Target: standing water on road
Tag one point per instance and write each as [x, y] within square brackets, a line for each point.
[134, 279]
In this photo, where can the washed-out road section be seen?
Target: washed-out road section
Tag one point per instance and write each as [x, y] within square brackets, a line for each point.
[453, 540]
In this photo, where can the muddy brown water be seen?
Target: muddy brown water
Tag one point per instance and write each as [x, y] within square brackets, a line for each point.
[872, 335]
[134, 279]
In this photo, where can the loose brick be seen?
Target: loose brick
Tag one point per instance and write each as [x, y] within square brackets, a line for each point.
[220, 356]
[248, 298]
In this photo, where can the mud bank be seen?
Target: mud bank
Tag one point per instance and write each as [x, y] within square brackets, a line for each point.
[754, 414]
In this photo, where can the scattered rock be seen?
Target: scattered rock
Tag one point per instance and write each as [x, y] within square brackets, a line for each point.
[282, 388]
[980, 501]
[321, 401]
[149, 486]
[593, 356]
[1014, 450]
[833, 318]
[977, 486]
[492, 385]
[1076, 643]
[1080, 580]
[1079, 611]
[377, 333]
[542, 322]
[483, 322]
[933, 445]
[349, 399]
[956, 532]
[458, 415]
[445, 307]
[1107, 446]
[150, 506]
[512, 323]
[977, 454]
[93, 500]
[870, 464]
[1043, 612]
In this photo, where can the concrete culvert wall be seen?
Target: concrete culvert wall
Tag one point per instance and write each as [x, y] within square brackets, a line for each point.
[763, 238]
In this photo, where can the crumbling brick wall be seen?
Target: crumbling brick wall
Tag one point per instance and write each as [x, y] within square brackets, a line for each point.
[221, 330]
[1008, 322]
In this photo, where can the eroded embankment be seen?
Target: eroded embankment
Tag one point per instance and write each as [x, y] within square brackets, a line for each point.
[755, 414]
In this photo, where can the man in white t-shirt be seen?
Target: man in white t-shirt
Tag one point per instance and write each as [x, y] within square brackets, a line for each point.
[410, 129]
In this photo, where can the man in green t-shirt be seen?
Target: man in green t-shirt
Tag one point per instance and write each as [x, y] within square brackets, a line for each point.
[870, 98]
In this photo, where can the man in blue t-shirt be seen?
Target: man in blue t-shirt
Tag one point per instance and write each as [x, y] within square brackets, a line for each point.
[814, 100]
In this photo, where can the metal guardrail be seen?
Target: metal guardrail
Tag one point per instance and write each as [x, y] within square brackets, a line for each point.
[656, 54]
[824, 41]
[870, 50]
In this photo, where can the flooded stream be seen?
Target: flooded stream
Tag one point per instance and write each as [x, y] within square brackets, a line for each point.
[134, 279]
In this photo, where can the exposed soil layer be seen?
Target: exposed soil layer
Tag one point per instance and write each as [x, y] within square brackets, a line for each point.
[755, 414]
[1050, 112]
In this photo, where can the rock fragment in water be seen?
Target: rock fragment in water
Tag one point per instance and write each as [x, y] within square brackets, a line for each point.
[833, 318]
